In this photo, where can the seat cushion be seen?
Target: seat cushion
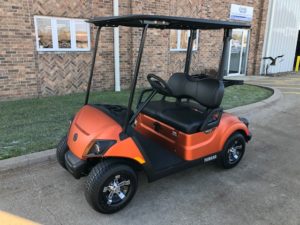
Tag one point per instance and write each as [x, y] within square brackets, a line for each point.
[181, 116]
[206, 91]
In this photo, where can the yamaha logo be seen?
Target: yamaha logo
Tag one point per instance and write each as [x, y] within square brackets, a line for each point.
[210, 158]
[75, 137]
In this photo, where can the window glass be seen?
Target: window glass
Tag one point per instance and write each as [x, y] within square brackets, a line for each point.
[44, 30]
[195, 44]
[179, 40]
[81, 30]
[64, 33]
[245, 50]
[184, 38]
[173, 39]
[61, 34]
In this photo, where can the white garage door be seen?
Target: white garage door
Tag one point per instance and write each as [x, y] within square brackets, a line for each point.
[283, 25]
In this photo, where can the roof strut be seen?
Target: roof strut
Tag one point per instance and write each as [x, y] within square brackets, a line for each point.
[135, 76]
[189, 52]
[92, 66]
[225, 54]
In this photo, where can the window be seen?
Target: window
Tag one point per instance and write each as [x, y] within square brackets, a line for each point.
[61, 34]
[179, 40]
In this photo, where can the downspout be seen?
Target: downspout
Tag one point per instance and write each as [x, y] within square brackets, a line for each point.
[116, 48]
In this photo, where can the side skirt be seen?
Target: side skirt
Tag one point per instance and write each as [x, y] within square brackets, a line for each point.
[154, 175]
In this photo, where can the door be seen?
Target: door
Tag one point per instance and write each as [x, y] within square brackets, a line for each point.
[238, 52]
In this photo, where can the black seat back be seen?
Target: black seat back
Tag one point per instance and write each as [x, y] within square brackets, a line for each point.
[207, 92]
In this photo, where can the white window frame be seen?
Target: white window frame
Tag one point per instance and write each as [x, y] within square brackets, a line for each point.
[55, 35]
[178, 49]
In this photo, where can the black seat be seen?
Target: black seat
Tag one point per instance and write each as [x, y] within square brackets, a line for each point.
[184, 116]
[207, 91]
[180, 116]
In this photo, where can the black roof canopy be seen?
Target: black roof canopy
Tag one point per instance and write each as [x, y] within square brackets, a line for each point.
[165, 22]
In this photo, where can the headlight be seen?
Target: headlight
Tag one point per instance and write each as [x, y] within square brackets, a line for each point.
[101, 146]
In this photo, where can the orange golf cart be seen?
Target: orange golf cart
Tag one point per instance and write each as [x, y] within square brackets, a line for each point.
[184, 125]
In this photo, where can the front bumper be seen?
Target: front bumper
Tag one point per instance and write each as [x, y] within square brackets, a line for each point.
[246, 122]
[249, 137]
[75, 166]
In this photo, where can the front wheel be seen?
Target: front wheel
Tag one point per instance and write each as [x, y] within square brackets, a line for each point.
[110, 187]
[233, 151]
[61, 150]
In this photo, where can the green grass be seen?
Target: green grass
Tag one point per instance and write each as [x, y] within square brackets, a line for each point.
[33, 125]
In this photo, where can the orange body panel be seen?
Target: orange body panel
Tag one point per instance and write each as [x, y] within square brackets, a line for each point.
[91, 124]
[126, 149]
[191, 146]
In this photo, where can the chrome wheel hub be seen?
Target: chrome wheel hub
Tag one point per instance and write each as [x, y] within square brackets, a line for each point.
[116, 190]
[234, 152]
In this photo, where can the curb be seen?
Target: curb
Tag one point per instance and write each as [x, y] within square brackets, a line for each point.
[277, 95]
[27, 160]
[49, 155]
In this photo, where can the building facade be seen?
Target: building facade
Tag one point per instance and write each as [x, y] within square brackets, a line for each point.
[45, 48]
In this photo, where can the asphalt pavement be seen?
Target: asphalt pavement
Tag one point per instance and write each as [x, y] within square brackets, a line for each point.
[263, 189]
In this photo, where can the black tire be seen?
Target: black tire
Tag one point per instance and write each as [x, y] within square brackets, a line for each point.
[233, 151]
[100, 180]
[61, 150]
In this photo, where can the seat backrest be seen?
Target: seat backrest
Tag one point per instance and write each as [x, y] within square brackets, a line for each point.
[207, 91]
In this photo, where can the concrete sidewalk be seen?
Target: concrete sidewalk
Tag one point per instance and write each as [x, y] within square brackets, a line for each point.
[288, 84]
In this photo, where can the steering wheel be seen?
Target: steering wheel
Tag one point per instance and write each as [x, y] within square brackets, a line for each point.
[159, 84]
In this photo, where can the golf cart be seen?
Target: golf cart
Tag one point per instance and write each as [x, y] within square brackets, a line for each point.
[182, 126]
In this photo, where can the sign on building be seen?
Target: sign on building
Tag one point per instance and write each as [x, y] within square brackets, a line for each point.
[241, 12]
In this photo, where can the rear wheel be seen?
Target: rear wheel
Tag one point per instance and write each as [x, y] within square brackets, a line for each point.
[110, 187]
[61, 150]
[233, 151]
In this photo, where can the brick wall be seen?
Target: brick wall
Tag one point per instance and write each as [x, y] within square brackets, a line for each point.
[207, 58]
[67, 72]
[17, 62]
[257, 35]
[24, 72]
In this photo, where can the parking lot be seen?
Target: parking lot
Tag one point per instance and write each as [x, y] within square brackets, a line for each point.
[263, 189]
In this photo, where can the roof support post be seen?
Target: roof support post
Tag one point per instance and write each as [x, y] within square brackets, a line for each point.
[92, 66]
[189, 52]
[135, 76]
[223, 67]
